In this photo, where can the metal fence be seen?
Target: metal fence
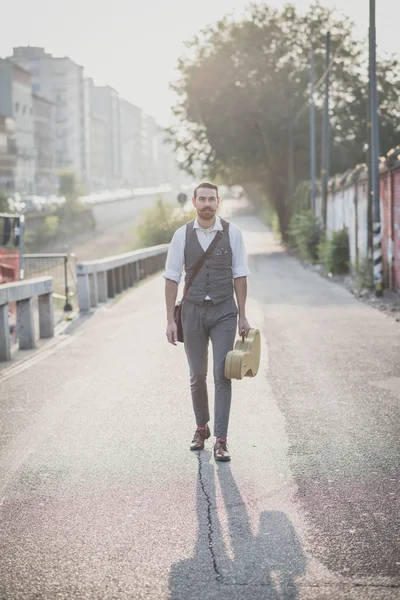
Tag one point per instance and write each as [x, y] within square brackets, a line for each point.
[59, 266]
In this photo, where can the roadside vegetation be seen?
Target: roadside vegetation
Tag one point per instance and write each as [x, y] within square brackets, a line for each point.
[63, 222]
[158, 224]
[253, 130]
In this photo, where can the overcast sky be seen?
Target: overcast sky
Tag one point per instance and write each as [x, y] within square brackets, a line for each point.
[133, 45]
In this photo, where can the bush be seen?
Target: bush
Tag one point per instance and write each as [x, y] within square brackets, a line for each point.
[48, 230]
[302, 197]
[158, 224]
[335, 253]
[364, 274]
[270, 218]
[64, 223]
[305, 235]
[70, 187]
[74, 219]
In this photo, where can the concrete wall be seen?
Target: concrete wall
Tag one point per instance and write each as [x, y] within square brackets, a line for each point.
[347, 208]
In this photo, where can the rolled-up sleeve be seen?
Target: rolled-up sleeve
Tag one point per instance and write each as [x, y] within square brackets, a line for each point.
[239, 255]
[175, 257]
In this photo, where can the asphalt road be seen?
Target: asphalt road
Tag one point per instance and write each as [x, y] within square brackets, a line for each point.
[102, 499]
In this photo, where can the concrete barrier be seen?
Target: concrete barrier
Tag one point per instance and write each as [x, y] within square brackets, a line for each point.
[23, 293]
[99, 280]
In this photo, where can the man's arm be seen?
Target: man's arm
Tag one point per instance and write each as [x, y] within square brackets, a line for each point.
[171, 292]
[240, 284]
[172, 275]
[240, 271]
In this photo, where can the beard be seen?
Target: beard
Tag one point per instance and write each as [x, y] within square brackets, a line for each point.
[206, 213]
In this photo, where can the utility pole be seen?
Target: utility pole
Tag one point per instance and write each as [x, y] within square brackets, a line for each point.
[290, 157]
[21, 246]
[374, 162]
[368, 161]
[312, 128]
[326, 134]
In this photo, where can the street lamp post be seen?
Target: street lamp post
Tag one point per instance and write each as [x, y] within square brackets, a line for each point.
[326, 135]
[312, 129]
[374, 156]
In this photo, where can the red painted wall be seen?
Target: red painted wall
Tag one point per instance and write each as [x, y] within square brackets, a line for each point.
[396, 227]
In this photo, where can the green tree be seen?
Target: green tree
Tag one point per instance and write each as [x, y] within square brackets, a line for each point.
[3, 202]
[242, 82]
[69, 186]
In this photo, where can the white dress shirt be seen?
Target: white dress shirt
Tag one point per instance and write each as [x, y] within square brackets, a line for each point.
[176, 253]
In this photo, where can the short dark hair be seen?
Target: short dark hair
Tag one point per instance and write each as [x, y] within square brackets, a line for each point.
[205, 184]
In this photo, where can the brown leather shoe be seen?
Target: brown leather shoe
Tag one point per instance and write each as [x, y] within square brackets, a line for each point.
[198, 439]
[221, 451]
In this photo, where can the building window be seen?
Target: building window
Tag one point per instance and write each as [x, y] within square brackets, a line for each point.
[24, 110]
[16, 106]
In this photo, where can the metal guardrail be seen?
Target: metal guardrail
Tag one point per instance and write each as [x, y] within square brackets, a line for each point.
[56, 265]
[101, 279]
[23, 293]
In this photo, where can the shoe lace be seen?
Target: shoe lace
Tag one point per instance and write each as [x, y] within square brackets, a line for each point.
[221, 444]
[198, 435]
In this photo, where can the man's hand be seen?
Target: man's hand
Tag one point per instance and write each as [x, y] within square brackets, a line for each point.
[172, 333]
[244, 326]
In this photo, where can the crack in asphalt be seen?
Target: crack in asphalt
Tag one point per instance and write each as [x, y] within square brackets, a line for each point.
[223, 581]
[218, 575]
[209, 524]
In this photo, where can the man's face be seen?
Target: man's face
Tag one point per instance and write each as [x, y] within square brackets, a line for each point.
[206, 203]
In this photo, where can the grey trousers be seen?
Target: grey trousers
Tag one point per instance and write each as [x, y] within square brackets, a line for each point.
[200, 324]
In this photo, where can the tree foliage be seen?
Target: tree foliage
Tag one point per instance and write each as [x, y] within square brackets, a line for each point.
[242, 82]
[70, 187]
[4, 202]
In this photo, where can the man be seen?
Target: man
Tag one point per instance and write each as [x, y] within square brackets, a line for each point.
[209, 310]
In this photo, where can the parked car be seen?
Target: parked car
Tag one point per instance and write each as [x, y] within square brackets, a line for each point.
[28, 204]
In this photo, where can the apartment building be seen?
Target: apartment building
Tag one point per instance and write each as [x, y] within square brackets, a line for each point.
[96, 135]
[8, 154]
[60, 80]
[44, 144]
[131, 141]
[16, 103]
[105, 103]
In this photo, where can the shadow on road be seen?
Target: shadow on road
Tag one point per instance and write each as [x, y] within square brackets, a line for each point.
[263, 565]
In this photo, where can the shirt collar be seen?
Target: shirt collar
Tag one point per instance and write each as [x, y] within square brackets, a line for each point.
[217, 225]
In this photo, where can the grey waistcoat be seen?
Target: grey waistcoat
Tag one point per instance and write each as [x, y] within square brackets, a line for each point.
[215, 277]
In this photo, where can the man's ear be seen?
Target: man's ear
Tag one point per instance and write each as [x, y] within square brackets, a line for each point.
[194, 202]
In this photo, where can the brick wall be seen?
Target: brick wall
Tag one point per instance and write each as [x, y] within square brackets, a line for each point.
[385, 200]
[396, 227]
[348, 208]
[9, 262]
